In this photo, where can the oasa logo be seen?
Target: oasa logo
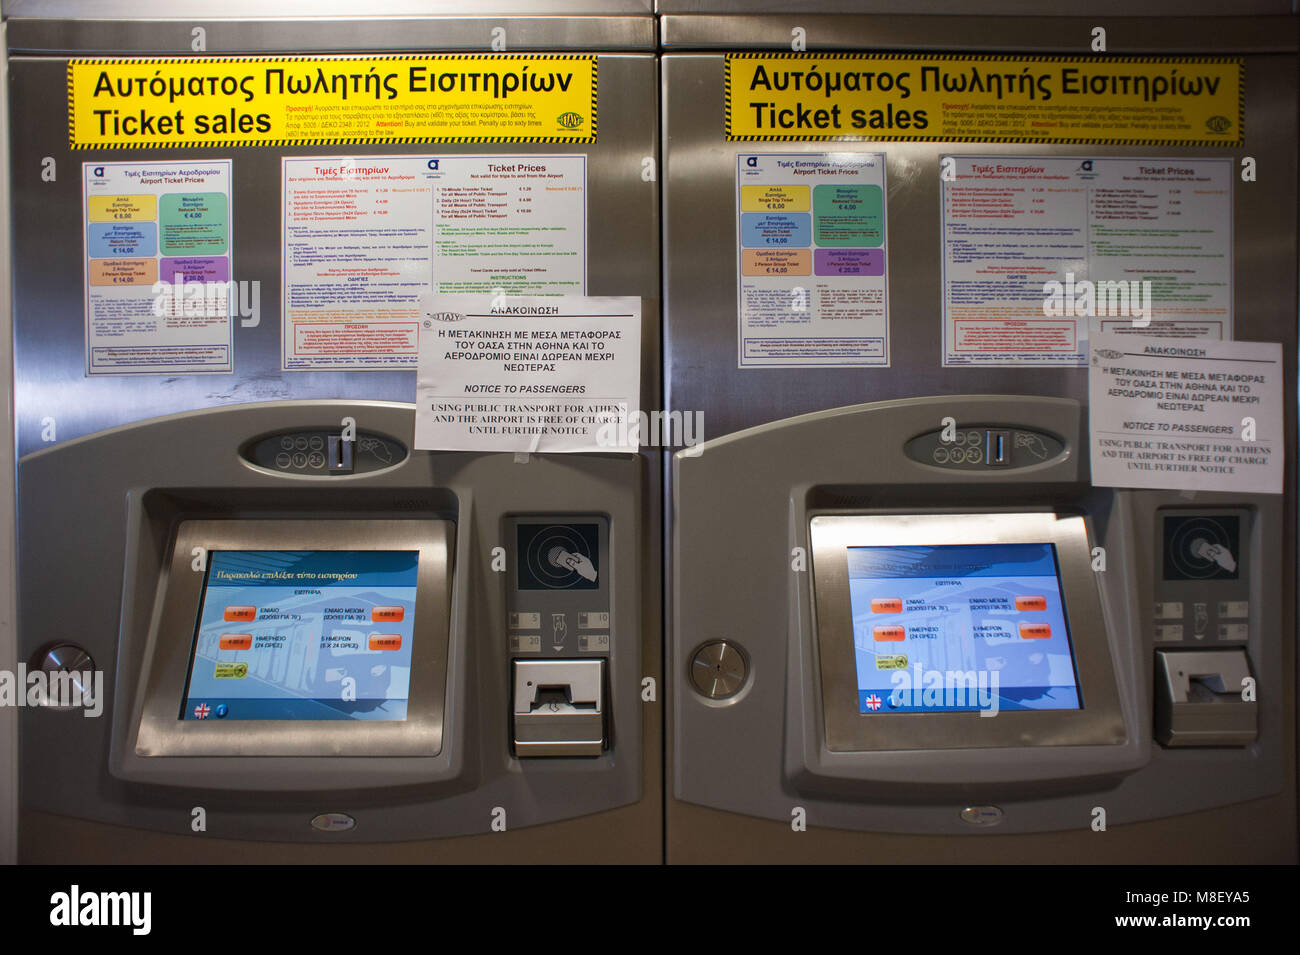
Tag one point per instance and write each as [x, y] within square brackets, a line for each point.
[1218, 124]
[570, 120]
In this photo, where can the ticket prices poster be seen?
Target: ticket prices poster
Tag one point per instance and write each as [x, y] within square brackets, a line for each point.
[369, 241]
[1138, 246]
[157, 267]
[813, 282]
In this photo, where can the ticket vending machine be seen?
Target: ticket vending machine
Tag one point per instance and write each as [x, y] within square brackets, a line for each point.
[295, 637]
[885, 492]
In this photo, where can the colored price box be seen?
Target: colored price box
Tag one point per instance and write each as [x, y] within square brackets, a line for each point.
[763, 230]
[776, 262]
[121, 208]
[109, 272]
[196, 269]
[115, 240]
[774, 198]
[193, 223]
[849, 216]
[850, 262]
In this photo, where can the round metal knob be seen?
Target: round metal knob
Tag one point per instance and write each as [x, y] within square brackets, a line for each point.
[70, 658]
[719, 670]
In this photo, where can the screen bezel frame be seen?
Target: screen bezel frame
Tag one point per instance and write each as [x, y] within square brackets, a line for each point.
[1098, 722]
[171, 644]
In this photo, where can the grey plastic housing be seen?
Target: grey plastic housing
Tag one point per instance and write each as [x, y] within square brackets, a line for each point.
[92, 557]
[741, 511]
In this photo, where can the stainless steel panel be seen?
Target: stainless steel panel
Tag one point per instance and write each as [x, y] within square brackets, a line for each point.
[113, 523]
[1237, 34]
[700, 369]
[222, 9]
[1129, 8]
[8, 554]
[277, 35]
[623, 259]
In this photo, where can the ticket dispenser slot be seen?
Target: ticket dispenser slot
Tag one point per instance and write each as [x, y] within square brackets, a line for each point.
[1201, 698]
[559, 707]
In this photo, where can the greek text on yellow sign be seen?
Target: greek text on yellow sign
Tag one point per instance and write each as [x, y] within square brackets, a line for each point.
[293, 101]
[1134, 101]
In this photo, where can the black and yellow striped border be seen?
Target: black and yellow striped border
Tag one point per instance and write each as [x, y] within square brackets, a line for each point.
[589, 137]
[978, 57]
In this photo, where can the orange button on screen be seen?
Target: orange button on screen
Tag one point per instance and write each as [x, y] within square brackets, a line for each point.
[387, 614]
[888, 634]
[1031, 603]
[236, 641]
[241, 613]
[886, 605]
[1035, 631]
[385, 641]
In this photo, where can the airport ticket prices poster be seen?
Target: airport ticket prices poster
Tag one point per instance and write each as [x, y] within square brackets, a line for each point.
[1142, 245]
[157, 267]
[812, 277]
[369, 241]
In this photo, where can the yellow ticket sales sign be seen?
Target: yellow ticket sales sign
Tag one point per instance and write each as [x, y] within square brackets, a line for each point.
[1119, 101]
[300, 101]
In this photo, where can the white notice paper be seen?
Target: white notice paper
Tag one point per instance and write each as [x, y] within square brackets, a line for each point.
[1156, 230]
[1200, 416]
[533, 374]
[368, 240]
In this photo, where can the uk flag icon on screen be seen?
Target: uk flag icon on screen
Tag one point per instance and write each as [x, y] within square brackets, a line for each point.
[201, 711]
[873, 703]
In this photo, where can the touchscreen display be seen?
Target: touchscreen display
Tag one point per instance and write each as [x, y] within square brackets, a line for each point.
[303, 635]
[960, 627]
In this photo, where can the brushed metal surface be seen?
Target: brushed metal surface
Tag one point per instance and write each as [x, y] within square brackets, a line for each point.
[700, 370]
[742, 30]
[8, 543]
[1039, 8]
[223, 9]
[260, 34]
[49, 311]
